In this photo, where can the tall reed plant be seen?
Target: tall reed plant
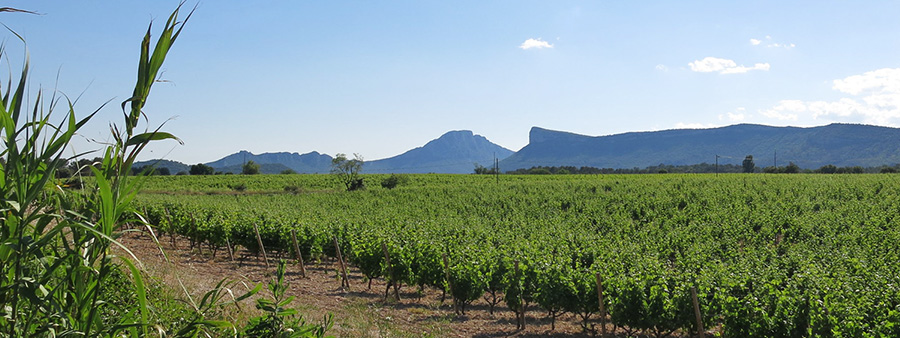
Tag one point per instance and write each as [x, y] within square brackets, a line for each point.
[55, 244]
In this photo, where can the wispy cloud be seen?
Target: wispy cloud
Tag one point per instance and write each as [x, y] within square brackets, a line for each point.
[662, 68]
[785, 45]
[786, 110]
[771, 44]
[723, 66]
[535, 43]
[874, 98]
[684, 125]
[738, 115]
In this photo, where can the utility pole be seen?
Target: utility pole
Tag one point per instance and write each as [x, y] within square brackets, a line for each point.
[496, 168]
[717, 165]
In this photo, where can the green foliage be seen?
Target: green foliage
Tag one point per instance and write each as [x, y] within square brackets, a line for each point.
[279, 320]
[791, 169]
[770, 255]
[539, 171]
[250, 168]
[346, 171]
[150, 170]
[55, 244]
[748, 164]
[827, 169]
[481, 170]
[202, 169]
[394, 181]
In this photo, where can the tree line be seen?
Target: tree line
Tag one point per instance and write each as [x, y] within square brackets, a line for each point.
[702, 168]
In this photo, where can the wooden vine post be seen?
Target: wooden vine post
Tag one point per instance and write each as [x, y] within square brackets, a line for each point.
[194, 235]
[449, 283]
[230, 250]
[171, 231]
[261, 247]
[391, 281]
[520, 313]
[700, 330]
[297, 252]
[345, 280]
[602, 305]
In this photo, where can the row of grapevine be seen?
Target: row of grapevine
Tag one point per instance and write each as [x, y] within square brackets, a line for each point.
[769, 255]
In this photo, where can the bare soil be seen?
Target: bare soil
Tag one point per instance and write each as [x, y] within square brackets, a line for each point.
[359, 311]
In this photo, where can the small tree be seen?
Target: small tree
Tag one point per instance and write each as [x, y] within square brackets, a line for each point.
[828, 169]
[748, 164]
[202, 169]
[250, 168]
[481, 170]
[792, 168]
[347, 171]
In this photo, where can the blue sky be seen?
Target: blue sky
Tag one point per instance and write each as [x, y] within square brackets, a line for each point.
[382, 77]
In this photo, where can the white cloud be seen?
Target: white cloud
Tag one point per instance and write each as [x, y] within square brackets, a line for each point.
[723, 66]
[742, 69]
[683, 125]
[785, 46]
[757, 42]
[535, 43]
[885, 80]
[874, 98]
[662, 68]
[779, 112]
[738, 116]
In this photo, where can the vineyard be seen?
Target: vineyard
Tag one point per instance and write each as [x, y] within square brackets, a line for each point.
[768, 255]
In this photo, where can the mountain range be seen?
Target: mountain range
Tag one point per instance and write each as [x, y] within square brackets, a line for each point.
[459, 152]
[813, 147]
[455, 152]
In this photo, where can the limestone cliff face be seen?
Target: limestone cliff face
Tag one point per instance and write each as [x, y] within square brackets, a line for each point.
[838, 144]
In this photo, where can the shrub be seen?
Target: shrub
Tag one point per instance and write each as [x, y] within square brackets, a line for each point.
[394, 181]
[279, 319]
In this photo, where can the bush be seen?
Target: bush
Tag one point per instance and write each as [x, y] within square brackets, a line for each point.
[539, 171]
[394, 181]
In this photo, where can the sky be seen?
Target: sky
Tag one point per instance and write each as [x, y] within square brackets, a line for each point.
[381, 77]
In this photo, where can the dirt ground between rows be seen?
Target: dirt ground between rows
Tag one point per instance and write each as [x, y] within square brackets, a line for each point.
[359, 311]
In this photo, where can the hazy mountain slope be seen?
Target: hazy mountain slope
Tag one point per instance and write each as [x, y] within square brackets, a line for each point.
[455, 152]
[308, 163]
[838, 144]
[173, 166]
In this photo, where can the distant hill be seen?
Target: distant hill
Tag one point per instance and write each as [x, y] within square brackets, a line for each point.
[838, 144]
[173, 166]
[309, 163]
[455, 152]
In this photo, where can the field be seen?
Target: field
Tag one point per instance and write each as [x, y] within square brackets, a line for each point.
[768, 255]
